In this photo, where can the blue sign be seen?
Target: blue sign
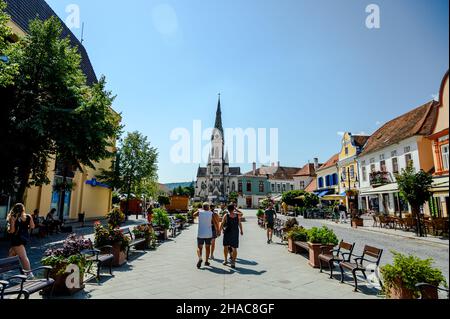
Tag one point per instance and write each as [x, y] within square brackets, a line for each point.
[94, 183]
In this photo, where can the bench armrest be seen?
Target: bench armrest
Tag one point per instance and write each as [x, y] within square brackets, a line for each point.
[22, 278]
[346, 258]
[362, 259]
[106, 247]
[47, 270]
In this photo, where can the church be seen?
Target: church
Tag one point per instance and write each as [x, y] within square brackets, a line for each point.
[217, 180]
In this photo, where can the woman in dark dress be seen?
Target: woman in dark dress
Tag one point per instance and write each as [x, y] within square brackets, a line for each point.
[231, 226]
[20, 225]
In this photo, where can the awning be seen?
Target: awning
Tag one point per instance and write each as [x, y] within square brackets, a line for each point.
[440, 187]
[333, 197]
[322, 194]
[388, 188]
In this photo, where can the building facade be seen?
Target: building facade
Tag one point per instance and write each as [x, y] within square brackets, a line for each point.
[304, 177]
[397, 144]
[217, 180]
[352, 146]
[328, 178]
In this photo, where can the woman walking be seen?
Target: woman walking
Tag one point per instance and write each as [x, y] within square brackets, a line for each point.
[231, 226]
[214, 231]
[20, 225]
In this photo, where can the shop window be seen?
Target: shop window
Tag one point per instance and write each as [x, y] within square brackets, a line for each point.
[445, 159]
[395, 165]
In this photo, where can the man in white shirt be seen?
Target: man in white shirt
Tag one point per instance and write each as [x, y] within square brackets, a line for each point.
[206, 218]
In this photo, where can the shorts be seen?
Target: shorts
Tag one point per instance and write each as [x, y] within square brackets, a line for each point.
[270, 225]
[214, 235]
[204, 241]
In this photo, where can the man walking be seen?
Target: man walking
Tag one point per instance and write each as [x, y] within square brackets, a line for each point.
[342, 213]
[206, 218]
[269, 218]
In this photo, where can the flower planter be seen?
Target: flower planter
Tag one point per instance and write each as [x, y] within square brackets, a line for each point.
[357, 222]
[120, 257]
[398, 291]
[143, 246]
[291, 247]
[60, 287]
[315, 251]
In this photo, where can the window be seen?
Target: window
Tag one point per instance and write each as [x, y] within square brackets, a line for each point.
[346, 151]
[320, 182]
[302, 185]
[249, 186]
[240, 187]
[383, 166]
[407, 149]
[352, 172]
[394, 154]
[279, 188]
[273, 188]
[364, 173]
[372, 161]
[335, 179]
[382, 157]
[363, 163]
[395, 165]
[284, 187]
[292, 187]
[445, 160]
[372, 168]
[261, 187]
[344, 174]
[408, 160]
[233, 187]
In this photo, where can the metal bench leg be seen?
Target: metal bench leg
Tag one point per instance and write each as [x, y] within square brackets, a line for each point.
[342, 274]
[320, 265]
[355, 279]
[331, 265]
[98, 270]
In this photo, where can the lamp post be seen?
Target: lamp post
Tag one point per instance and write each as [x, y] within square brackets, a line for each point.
[349, 186]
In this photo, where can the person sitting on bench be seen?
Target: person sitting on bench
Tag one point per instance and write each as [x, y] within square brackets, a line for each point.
[52, 223]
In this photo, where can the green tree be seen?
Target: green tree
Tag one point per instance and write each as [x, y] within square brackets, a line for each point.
[138, 163]
[7, 70]
[292, 198]
[415, 188]
[233, 197]
[163, 200]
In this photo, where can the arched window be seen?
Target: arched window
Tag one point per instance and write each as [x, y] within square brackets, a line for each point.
[233, 187]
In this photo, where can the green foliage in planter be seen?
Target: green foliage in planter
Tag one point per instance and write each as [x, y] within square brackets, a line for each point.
[323, 235]
[115, 217]
[260, 213]
[298, 233]
[147, 232]
[197, 205]
[60, 263]
[409, 271]
[292, 222]
[110, 236]
[181, 217]
[161, 218]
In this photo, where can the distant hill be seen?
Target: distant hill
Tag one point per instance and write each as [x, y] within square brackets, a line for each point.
[172, 186]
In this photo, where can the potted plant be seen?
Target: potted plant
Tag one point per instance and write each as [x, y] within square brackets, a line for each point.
[113, 237]
[190, 217]
[260, 216]
[115, 217]
[162, 222]
[297, 233]
[400, 278]
[182, 219]
[319, 238]
[60, 258]
[145, 231]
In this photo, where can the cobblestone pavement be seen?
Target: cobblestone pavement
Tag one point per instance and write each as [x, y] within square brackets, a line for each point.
[398, 240]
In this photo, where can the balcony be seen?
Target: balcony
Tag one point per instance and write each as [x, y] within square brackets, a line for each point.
[380, 178]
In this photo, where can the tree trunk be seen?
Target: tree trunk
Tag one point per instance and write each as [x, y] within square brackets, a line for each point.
[416, 215]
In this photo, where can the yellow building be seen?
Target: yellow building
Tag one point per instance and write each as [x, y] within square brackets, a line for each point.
[352, 145]
[88, 195]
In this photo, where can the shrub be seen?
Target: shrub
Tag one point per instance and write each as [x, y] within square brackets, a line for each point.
[409, 271]
[147, 232]
[110, 236]
[298, 233]
[181, 217]
[161, 218]
[323, 235]
[260, 213]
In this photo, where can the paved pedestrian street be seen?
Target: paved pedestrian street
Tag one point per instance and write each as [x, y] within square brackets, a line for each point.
[263, 271]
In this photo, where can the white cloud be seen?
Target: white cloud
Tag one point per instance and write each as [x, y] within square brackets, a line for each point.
[378, 123]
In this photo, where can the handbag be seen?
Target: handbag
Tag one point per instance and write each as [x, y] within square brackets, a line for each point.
[225, 223]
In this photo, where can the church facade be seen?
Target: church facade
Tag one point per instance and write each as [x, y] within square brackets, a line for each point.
[217, 180]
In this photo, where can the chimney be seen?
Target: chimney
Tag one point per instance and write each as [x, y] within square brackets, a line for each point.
[278, 164]
[254, 168]
[316, 164]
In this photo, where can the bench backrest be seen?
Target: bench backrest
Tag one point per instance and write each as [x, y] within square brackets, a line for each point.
[8, 264]
[373, 252]
[346, 246]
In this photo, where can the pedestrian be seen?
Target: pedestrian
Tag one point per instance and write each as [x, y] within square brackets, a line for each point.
[342, 213]
[150, 214]
[204, 237]
[51, 222]
[215, 233]
[277, 207]
[231, 227]
[19, 226]
[269, 219]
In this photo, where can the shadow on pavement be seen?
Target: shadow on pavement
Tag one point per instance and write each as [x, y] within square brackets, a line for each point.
[246, 262]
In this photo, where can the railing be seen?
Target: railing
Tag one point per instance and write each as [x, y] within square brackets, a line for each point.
[380, 178]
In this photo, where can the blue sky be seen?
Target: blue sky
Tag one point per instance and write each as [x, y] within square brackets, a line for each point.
[309, 68]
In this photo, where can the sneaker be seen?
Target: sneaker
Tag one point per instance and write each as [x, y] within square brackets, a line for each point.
[207, 264]
[225, 263]
[199, 264]
[233, 265]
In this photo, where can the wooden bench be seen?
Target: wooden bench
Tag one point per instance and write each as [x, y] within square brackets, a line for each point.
[370, 254]
[102, 257]
[20, 285]
[336, 255]
[175, 227]
[134, 241]
[302, 244]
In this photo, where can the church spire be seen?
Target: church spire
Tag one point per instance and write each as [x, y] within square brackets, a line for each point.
[218, 124]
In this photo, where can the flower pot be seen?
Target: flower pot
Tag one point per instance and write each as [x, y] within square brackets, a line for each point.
[357, 222]
[143, 246]
[120, 257]
[60, 286]
[399, 291]
[291, 247]
[315, 251]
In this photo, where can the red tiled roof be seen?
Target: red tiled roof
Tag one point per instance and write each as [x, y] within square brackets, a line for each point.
[275, 172]
[307, 170]
[360, 140]
[416, 122]
[331, 162]
[312, 186]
